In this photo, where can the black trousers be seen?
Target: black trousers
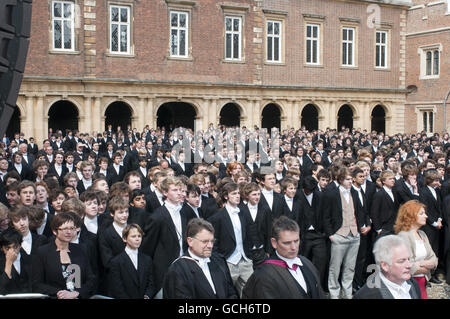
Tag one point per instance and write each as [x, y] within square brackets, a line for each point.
[313, 246]
[363, 260]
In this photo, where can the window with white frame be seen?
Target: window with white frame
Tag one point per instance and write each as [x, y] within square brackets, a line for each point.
[233, 36]
[432, 62]
[273, 41]
[428, 121]
[348, 46]
[381, 49]
[63, 26]
[430, 58]
[179, 33]
[120, 29]
[312, 43]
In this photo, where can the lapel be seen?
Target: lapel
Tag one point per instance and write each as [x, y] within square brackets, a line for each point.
[170, 224]
[130, 268]
[388, 198]
[229, 224]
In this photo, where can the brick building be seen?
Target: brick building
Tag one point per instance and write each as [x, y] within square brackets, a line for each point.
[283, 63]
[428, 65]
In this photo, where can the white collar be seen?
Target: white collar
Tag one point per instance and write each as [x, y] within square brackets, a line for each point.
[171, 207]
[231, 210]
[131, 252]
[404, 287]
[265, 191]
[200, 260]
[290, 262]
[250, 206]
[288, 199]
[388, 190]
[343, 190]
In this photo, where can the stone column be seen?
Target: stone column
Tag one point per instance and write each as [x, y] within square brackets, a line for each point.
[27, 124]
[88, 115]
[332, 116]
[150, 112]
[96, 116]
[141, 113]
[39, 131]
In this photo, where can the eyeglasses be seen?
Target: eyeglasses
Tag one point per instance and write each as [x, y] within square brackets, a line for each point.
[206, 242]
[67, 229]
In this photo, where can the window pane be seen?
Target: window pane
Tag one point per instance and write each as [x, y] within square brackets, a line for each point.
[114, 38]
[308, 31]
[383, 57]
[425, 121]
[344, 34]
[315, 30]
[436, 63]
[123, 38]
[314, 52]
[67, 10]
[57, 34]
[276, 28]
[174, 20]
[124, 15]
[377, 55]
[57, 10]
[228, 24]
[276, 51]
[431, 121]
[236, 46]
[269, 49]
[115, 14]
[428, 70]
[270, 28]
[67, 35]
[236, 23]
[173, 41]
[308, 51]
[383, 37]
[350, 53]
[378, 37]
[182, 20]
[182, 42]
[344, 53]
[228, 46]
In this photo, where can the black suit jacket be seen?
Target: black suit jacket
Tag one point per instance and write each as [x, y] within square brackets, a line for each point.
[434, 207]
[258, 229]
[208, 206]
[295, 212]
[113, 177]
[224, 233]
[127, 282]
[186, 280]
[383, 292]
[383, 211]
[161, 242]
[64, 171]
[310, 215]
[26, 172]
[18, 283]
[32, 149]
[151, 202]
[110, 244]
[47, 271]
[403, 192]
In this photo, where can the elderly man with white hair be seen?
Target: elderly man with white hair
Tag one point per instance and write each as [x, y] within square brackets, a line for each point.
[392, 278]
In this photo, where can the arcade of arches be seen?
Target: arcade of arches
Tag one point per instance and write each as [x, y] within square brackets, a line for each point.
[90, 106]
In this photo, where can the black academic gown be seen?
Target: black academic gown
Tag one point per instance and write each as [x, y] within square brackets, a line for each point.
[186, 280]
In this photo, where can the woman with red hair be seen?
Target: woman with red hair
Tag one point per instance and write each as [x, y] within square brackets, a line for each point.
[411, 217]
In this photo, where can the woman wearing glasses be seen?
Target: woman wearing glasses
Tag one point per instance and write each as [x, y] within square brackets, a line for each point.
[61, 269]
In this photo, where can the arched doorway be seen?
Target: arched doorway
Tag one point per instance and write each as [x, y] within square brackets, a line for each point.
[378, 119]
[63, 115]
[310, 117]
[118, 114]
[271, 117]
[345, 117]
[175, 114]
[230, 115]
[14, 123]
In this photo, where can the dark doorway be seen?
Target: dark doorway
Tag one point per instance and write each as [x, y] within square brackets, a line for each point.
[271, 117]
[230, 115]
[14, 124]
[63, 115]
[345, 117]
[175, 114]
[310, 117]
[118, 114]
[379, 119]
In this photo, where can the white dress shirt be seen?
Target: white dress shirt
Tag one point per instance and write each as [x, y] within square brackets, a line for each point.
[58, 169]
[268, 195]
[16, 263]
[119, 229]
[237, 228]
[159, 196]
[289, 202]
[389, 191]
[18, 167]
[117, 168]
[398, 291]
[133, 254]
[297, 274]
[174, 211]
[346, 193]
[253, 210]
[203, 264]
[27, 242]
[86, 183]
[91, 224]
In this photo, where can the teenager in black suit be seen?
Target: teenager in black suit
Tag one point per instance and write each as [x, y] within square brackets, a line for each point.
[383, 210]
[231, 234]
[116, 172]
[208, 204]
[154, 199]
[17, 164]
[165, 237]
[131, 271]
[431, 197]
[15, 272]
[52, 263]
[291, 204]
[143, 172]
[87, 170]
[191, 207]
[199, 273]
[313, 243]
[258, 222]
[406, 187]
[58, 168]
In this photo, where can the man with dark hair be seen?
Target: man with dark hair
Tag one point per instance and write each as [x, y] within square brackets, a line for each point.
[406, 187]
[200, 273]
[285, 275]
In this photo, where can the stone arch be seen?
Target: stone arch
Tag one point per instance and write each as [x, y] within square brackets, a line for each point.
[230, 114]
[14, 123]
[73, 101]
[108, 102]
[346, 114]
[310, 115]
[172, 114]
[63, 115]
[118, 113]
[271, 115]
[379, 115]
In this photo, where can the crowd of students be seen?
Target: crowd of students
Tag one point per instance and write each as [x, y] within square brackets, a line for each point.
[123, 206]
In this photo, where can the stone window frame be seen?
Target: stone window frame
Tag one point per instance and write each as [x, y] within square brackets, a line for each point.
[180, 6]
[275, 17]
[130, 6]
[388, 47]
[316, 20]
[240, 41]
[74, 33]
[235, 10]
[420, 111]
[422, 51]
[350, 24]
